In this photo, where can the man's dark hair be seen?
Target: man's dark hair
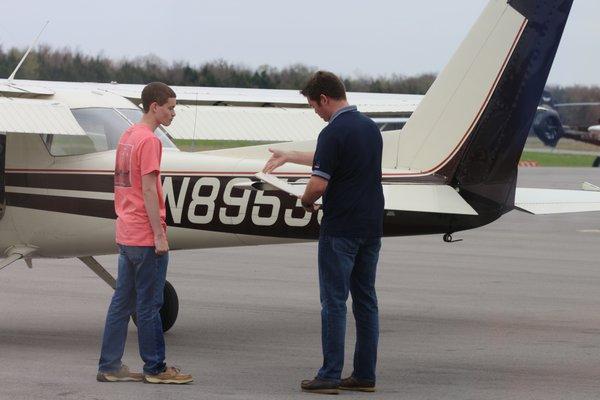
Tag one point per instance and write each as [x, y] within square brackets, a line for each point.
[156, 92]
[324, 82]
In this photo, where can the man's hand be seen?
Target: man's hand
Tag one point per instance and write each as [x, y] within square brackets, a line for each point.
[314, 189]
[161, 246]
[309, 207]
[278, 158]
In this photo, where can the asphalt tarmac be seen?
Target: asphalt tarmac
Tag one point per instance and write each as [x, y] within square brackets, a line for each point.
[510, 312]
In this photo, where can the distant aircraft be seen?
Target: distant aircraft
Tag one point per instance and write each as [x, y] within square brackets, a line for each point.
[549, 128]
[453, 167]
[547, 125]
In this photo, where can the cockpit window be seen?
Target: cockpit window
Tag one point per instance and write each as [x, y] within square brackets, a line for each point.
[103, 128]
[134, 115]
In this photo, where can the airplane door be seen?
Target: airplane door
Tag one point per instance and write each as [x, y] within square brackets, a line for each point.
[2, 174]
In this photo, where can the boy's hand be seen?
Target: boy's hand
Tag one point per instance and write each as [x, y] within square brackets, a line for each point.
[161, 245]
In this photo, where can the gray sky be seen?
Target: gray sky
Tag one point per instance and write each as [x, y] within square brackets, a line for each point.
[379, 37]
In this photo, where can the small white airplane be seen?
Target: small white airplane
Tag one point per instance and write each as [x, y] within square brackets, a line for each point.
[453, 168]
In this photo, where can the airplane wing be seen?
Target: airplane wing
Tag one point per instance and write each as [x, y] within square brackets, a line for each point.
[192, 95]
[215, 96]
[37, 117]
[260, 114]
[205, 113]
[202, 122]
[554, 201]
[14, 89]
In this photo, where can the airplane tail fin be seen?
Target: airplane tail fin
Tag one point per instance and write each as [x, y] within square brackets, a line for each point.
[472, 125]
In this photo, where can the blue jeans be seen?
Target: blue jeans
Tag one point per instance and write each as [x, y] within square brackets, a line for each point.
[140, 285]
[348, 265]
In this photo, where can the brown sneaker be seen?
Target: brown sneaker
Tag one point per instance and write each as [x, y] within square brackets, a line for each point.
[122, 375]
[359, 385]
[169, 375]
[320, 386]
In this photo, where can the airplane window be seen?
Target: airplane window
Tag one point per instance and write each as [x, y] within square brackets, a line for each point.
[134, 115]
[64, 145]
[390, 126]
[103, 128]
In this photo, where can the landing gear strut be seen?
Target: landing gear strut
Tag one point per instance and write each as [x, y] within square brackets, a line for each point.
[170, 308]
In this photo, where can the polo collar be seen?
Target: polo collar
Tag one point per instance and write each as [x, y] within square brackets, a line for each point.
[341, 111]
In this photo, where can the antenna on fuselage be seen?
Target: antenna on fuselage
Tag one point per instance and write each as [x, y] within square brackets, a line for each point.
[12, 76]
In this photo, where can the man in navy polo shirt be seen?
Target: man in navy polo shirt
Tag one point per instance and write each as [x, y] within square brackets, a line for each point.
[347, 173]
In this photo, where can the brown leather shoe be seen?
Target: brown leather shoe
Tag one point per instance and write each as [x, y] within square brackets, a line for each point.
[171, 375]
[320, 386]
[122, 375]
[358, 385]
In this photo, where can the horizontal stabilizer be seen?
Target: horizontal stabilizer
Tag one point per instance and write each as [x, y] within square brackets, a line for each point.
[15, 253]
[590, 187]
[440, 199]
[554, 201]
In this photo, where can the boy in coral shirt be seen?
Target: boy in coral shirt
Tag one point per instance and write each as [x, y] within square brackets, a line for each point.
[143, 247]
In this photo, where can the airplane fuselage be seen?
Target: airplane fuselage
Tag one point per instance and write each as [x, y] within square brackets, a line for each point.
[63, 206]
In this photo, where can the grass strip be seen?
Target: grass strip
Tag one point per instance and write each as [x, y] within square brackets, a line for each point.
[205, 145]
[559, 160]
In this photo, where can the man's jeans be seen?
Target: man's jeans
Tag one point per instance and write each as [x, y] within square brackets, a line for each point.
[348, 265]
[140, 285]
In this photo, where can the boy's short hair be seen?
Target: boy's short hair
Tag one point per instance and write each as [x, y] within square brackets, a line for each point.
[156, 92]
[324, 82]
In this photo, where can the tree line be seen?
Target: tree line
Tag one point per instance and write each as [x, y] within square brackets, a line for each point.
[578, 106]
[46, 63]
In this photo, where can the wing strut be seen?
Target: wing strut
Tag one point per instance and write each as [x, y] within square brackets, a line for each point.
[12, 76]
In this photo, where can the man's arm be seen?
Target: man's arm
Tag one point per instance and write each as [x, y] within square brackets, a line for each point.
[315, 189]
[280, 157]
[149, 182]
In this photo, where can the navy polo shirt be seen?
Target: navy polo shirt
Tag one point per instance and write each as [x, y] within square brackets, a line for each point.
[348, 155]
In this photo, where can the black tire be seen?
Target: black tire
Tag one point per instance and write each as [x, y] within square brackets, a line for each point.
[596, 163]
[170, 308]
[549, 130]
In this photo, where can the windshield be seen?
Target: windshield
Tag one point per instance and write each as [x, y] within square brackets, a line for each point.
[103, 128]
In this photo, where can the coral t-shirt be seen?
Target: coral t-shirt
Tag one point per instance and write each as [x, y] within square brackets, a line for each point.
[138, 153]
